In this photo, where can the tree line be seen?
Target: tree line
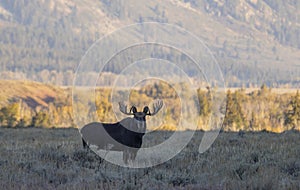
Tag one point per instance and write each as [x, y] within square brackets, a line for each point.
[257, 110]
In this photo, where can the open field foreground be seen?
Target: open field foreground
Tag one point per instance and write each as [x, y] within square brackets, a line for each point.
[37, 158]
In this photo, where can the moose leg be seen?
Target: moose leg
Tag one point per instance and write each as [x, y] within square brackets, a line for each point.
[129, 156]
[84, 143]
[125, 156]
[132, 154]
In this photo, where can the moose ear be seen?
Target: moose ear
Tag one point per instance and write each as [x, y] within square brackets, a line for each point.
[133, 109]
[146, 110]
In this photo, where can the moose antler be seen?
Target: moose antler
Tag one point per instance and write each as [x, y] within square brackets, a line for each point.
[123, 108]
[158, 104]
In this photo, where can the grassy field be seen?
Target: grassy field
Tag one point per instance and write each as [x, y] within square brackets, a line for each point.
[36, 158]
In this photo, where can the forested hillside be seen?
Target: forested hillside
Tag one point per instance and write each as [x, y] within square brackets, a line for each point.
[254, 41]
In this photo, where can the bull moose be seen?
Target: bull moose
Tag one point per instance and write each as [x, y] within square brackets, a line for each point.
[125, 135]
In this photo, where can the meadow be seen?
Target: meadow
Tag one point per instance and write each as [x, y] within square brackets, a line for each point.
[39, 158]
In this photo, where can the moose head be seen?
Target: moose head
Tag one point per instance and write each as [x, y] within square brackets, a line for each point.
[140, 117]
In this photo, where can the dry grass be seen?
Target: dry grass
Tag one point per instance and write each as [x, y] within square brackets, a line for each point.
[37, 158]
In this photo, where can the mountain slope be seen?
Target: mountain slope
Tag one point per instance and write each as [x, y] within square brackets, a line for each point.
[255, 41]
[32, 93]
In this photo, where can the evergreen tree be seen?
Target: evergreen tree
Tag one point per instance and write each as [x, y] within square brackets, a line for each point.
[253, 124]
[9, 115]
[234, 117]
[292, 114]
[204, 103]
[41, 119]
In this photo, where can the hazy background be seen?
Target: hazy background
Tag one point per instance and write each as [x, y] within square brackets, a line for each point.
[254, 41]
